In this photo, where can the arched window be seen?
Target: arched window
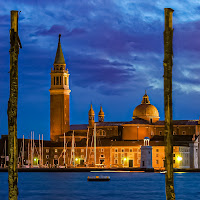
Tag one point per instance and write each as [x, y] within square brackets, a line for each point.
[101, 132]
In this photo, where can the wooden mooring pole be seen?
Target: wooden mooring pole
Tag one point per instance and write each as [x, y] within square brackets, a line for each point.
[12, 107]
[168, 62]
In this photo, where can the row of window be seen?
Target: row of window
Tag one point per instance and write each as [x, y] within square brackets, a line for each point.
[174, 133]
[102, 150]
[122, 161]
[58, 80]
[82, 150]
[130, 150]
[92, 150]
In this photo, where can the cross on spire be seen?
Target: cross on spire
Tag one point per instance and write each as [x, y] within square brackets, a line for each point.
[59, 38]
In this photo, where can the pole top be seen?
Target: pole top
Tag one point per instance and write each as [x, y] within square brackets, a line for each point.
[169, 9]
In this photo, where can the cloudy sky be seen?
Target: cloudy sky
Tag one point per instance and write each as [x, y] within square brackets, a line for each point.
[113, 50]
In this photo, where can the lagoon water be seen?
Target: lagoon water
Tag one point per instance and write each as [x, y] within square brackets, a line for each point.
[126, 186]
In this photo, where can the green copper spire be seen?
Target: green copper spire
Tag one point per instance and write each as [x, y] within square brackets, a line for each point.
[59, 59]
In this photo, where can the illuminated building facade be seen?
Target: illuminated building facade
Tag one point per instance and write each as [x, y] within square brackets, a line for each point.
[118, 144]
[124, 136]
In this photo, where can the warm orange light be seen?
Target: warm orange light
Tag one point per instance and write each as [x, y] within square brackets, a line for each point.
[179, 158]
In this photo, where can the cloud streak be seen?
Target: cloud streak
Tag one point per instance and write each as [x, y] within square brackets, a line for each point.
[113, 48]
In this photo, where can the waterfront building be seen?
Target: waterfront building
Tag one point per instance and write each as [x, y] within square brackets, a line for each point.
[115, 144]
[145, 123]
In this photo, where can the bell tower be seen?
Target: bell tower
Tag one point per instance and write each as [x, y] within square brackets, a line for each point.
[59, 96]
[101, 115]
[91, 115]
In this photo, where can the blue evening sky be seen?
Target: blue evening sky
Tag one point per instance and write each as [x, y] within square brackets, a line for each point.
[113, 50]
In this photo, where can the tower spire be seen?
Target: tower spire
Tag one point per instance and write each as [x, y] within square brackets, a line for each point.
[101, 115]
[59, 59]
[91, 115]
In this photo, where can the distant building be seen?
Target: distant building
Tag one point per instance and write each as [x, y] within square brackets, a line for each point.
[118, 144]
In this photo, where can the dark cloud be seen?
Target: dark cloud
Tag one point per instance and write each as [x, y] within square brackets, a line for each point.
[56, 29]
[95, 73]
[112, 49]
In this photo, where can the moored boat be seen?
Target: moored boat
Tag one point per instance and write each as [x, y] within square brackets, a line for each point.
[98, 178]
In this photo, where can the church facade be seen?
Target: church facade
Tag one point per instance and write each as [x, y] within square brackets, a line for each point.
[116, 143]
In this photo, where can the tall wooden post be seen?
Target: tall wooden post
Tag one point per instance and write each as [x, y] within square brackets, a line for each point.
[12, 107]
[168, 62]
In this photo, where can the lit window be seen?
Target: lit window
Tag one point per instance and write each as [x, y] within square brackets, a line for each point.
[102, 150]
[82, 156]
[116, 162]
[56, 150]
[157, 150]
[122, 162]
[157, 161]
[174, 133]
[82, 150]
[122, 155]
[47, 150]
[116, 155]
[156, 155]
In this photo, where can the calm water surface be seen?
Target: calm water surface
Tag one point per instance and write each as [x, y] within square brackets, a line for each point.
[74, 186]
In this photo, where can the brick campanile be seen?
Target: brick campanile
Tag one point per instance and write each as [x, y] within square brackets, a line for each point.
[59, 96]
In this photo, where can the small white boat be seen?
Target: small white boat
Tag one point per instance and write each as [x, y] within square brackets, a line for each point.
[163, 172]
[98, 178]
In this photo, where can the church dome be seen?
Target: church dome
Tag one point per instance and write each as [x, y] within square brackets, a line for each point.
[146, 111]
